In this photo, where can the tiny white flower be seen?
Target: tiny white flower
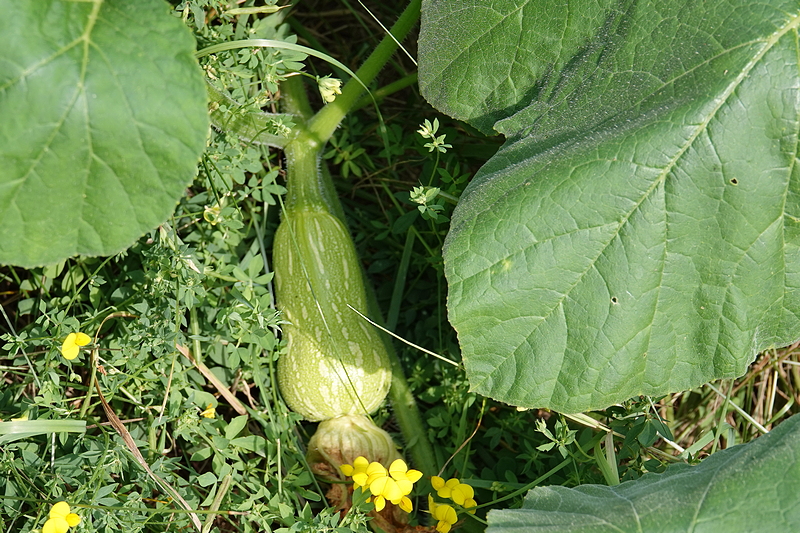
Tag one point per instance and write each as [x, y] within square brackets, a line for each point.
[428, 131]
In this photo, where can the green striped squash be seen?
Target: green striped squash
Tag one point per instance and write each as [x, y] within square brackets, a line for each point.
[335, 362]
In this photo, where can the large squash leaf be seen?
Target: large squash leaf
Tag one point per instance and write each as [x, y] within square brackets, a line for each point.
[751, 487]
[638, 232]
[104, 118]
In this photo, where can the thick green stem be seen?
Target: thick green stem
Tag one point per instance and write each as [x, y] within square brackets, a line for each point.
[408, 416]
[327, 119]
[304, 180]
[304, 152]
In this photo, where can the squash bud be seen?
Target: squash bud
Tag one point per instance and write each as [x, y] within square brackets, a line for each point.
[341, 439]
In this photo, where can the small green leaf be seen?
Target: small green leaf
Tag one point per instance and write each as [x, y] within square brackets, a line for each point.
[220, 443]
[251, 443]
[104, 119]
[746, 488]
[546, 447]
[662, 429]
[202, 454]
[236, 426]
[648, 435]
[206, 479]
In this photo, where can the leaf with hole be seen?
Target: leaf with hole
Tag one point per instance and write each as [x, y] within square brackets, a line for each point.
[639, 231]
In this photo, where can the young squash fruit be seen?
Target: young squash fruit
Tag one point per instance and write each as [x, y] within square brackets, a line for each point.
[335, 362]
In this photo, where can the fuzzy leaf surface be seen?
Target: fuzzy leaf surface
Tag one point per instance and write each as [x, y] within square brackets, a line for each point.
[639, 231]
[750, 487]
[104, 120]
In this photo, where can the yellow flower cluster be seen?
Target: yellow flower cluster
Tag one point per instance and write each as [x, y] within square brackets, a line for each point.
[393, 485]
[453, 489]
[461, 494]
[60, 519]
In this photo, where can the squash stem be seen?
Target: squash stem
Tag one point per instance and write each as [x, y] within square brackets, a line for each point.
[294, 100]
[304, 187]
[328, 118]
[408, 417]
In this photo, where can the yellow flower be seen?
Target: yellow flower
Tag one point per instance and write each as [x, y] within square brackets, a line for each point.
[363, 472]
[393, 485]
[399, 471]
[357, 471]
[374, 471]
[210, 412]
[385, 488]
[470, 504]
[405, 479]
[71, 346]
[460, 493]
[405, 504]
[60, 519]
[445, 514]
